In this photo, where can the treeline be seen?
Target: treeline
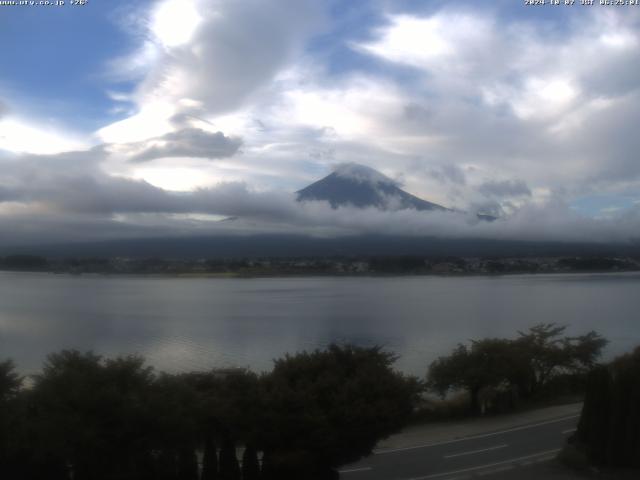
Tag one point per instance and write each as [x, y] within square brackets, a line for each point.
[85, 417]
[497, 373]
[376, 265]
[609, 428]
[24, 262]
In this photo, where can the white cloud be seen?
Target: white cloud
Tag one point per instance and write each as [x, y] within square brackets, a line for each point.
[353, 109]
[497, 97]
[152, 120]
[172, 177]
[18, 135]
[174, 22]
[219, 53]
[436, 43]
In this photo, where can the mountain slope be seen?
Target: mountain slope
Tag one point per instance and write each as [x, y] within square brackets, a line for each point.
[361, 186]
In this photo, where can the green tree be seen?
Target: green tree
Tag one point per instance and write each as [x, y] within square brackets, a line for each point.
[93, 415]
[527, 363]
[228, 404]
[487, 363]
[327, 408]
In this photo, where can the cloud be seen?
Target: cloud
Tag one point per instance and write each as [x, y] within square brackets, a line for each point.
[497, 101]
[74, 182]
[236, 48]
[188, 142]
[19, 135]
[504, 189]
[41, 197]
[468, 106]
[449, 173]
[362, 174]
[206, 57]
[448, 43]
[445, 100]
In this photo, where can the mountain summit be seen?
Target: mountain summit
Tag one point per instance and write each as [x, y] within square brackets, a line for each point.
[362, 186]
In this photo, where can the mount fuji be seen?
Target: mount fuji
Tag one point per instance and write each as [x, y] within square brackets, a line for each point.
[361, 186]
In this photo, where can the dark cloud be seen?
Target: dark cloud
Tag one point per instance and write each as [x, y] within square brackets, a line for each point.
[8, 194]
[488, 207]
[189, 142]
[504, 189]
[74, 183]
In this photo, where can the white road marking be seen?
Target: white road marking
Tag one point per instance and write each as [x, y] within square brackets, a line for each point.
[474, 437]
[352, 470]
[453, 455]
[489, 465]
[496, 470]
[571, 430]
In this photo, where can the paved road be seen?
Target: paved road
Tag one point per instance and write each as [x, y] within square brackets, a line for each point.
[471, 457]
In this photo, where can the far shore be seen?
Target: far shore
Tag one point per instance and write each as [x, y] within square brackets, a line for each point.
[257, 275]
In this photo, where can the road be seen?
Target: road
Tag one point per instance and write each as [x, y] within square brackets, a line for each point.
[478, 456]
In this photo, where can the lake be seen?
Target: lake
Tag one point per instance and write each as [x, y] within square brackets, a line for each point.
[183, 324]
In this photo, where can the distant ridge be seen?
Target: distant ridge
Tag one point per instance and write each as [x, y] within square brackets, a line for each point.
[361, 186]
[283, 245]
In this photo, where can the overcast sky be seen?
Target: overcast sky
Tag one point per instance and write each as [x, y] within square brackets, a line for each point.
[123, 118]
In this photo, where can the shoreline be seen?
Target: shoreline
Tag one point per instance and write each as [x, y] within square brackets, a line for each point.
[245, 275]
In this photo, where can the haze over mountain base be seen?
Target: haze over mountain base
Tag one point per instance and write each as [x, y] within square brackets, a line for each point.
[288, 246]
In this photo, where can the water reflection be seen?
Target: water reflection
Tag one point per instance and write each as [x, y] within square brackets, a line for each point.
[184, 324]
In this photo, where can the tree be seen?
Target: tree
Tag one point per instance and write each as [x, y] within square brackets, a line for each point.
[10, 416]
[488, 363]
[93, 415]
[609, 426]
[25, 262]
[250, 464]
[229, 467]
[187, 463]
[174, 426]
[210, 459]
[593, 424]
[10, 381]
[228, 405]
[548, 354]
[327, 408]
[527, 363]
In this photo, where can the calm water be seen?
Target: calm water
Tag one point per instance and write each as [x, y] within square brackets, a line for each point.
[184, 324]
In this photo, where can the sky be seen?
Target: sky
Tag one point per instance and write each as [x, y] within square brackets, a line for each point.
[124, 119]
